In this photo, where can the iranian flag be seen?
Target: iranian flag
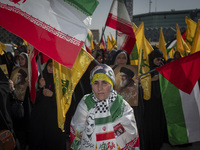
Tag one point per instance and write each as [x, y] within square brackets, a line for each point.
[181, 98]
[118, 19]
[57, 28]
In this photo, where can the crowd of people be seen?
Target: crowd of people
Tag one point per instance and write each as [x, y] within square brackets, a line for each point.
[97, 107]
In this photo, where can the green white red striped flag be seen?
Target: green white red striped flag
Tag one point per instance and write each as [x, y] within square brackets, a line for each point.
[119, 20]
[57, 28]
[181, 98]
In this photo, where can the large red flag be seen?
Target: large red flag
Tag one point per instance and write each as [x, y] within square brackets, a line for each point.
[58, 28]
[119, 20]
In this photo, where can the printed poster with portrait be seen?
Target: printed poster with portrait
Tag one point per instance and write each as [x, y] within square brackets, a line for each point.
[126, 83]
[19, 77]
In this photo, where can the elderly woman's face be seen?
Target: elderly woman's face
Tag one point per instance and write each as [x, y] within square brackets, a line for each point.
[101, 89]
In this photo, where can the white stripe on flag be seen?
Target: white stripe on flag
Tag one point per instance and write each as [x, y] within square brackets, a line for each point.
[191, 110]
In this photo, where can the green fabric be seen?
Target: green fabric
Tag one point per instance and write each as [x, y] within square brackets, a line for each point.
[116, 109]
[134, 53]
[172, 104]
[85, 6]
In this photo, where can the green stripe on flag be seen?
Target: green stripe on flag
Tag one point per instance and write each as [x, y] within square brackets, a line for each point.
[105, 120]
[85, 6]
[172, 104]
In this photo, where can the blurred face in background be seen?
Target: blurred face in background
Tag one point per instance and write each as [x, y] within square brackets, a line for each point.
[50, 67]
[157, 61]
[99, 59]
[22, 61]
[121, 59]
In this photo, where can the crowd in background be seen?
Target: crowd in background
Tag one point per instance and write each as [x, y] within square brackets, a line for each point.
[35, 125]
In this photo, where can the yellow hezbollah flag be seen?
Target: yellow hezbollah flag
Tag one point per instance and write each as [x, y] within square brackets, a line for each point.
[113, 41]
[2, 48]
[109, 44]
[143, 66]
[138, 35]
[134, 27]
[190, 31]
[161, 44]
[65, 82]
[181, 46]
[196, 42]
[171, 53]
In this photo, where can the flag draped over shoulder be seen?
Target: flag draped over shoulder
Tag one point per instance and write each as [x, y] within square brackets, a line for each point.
[57, 28]
[65, 82]
[181, 98]
[119, 20]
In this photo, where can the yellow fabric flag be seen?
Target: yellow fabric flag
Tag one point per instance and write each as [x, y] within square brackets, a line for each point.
[171, 53]
[113, 41]
[181, 46]
[196, 41]
[190, 31]
[101, 46]
[65, 82]
[2, 48]
[161, 44]
[91, 39]
[143, 65]
[109, 44]
[134, 27]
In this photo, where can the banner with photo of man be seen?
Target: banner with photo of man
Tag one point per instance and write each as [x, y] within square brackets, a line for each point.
[126, 83]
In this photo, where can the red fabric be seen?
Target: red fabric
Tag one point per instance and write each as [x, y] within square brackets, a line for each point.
[88, 49]
[105, 136]
[122, 25]
[126, 28]
[34, 76]
[183, 73]
[57, 47]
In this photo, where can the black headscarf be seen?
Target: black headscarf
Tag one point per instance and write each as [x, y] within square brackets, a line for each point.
[48, 77]
[117, 53]
[154, 54]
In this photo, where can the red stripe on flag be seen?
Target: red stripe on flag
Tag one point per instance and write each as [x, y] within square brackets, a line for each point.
[120, 25]
[48, 40]
[105, 136]
[34, 77]
[183, 73]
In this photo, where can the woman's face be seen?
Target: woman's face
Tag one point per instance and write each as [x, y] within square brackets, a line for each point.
[22, 61]
[99, 59]
[50, 67]
[157, 61]
[121, 59]
[101, 89]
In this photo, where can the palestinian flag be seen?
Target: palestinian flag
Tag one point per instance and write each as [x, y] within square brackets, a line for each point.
[181, 98]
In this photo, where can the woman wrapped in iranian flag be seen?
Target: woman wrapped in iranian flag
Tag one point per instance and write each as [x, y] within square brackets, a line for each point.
[103, 119]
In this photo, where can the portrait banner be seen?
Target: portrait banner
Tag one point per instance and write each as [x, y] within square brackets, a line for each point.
[126, 83]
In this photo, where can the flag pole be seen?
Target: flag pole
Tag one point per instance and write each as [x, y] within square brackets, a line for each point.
[106, 21]
[39, 64]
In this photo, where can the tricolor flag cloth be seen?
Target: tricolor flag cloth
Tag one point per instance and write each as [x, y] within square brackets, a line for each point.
[181, 98]
[57, 28]
[119, 20]
[108, 124]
